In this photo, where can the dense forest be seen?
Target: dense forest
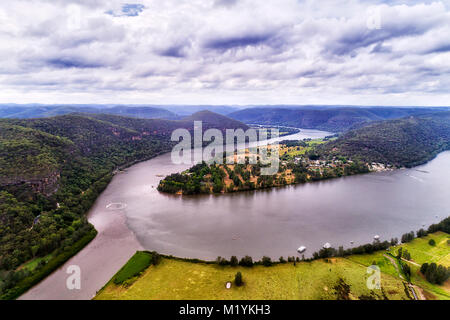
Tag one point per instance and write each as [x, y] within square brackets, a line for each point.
[51, 172]
[403, 143]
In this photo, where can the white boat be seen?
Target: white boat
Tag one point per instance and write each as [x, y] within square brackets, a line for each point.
[301, 249]
[327, 246]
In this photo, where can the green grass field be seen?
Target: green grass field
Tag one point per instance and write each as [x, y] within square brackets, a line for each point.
[177, 279]
[421, 252]
[138, 263]
[32, 264]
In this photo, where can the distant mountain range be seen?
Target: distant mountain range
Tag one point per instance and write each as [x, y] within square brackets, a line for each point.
[336, 119]
[45, 111]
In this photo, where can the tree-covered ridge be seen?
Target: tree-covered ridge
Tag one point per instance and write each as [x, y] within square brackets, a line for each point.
[52, 171]
[379, 146]
[403, 143]
[298, 164]
[29, 154]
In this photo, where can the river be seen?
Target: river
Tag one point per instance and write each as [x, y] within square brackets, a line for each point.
[132, 215]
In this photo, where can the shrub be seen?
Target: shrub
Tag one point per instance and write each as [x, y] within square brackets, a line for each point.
[238, 279]
[222, 261]
[432, 242]
[266, 261]
[246, 261]
[138, 263]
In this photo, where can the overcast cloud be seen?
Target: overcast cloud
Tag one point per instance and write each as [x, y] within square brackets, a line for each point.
[225, 52]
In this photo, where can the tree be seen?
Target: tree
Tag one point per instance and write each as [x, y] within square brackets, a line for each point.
[399, 253]
[246, 261]
[266, 261]
[234, 261]
[421, 233]
[156, 258]
[282, 260]
[221, 261]
[238, 279]
[406, 255]
[394, 241]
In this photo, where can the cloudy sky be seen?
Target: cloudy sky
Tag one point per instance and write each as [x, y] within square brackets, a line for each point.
[225, 52]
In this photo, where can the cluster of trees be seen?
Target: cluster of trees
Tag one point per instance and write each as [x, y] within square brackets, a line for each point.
[51, 172]
[404, 142]
[362, 249]
[436, 274]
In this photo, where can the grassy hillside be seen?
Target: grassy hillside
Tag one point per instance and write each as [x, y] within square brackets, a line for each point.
[317, 280]
[404, 142]
[328, 119]
[336, 277]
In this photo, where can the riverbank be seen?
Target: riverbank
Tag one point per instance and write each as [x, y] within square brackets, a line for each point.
[342, 278]
[115, 242]
[268, 222]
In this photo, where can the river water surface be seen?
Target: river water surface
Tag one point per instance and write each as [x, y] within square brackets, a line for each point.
[132, 215]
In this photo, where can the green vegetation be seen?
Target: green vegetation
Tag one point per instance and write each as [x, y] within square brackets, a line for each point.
[420, 253]
[303, 166]
[331, 274]
[238, 279]
[51, 172]
[177, 279]
[402, 143]
[21, 285]
[434, 273]
[377, 146]
[138, 263]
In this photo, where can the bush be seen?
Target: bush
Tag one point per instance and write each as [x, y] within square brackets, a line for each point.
[234, 261]
[266, 261]
[435, 274]
[222, 261]
[246, 261]
[238, 279]
[432, 242]
[138, 263]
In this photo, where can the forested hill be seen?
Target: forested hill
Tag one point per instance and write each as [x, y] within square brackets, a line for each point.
[214, 120]
[51, 172]
[331, 119]
[404, 142]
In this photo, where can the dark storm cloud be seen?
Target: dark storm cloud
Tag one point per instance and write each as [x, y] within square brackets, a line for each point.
[71, 63]
[356, 39]
[223, 44]
[175, 51]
